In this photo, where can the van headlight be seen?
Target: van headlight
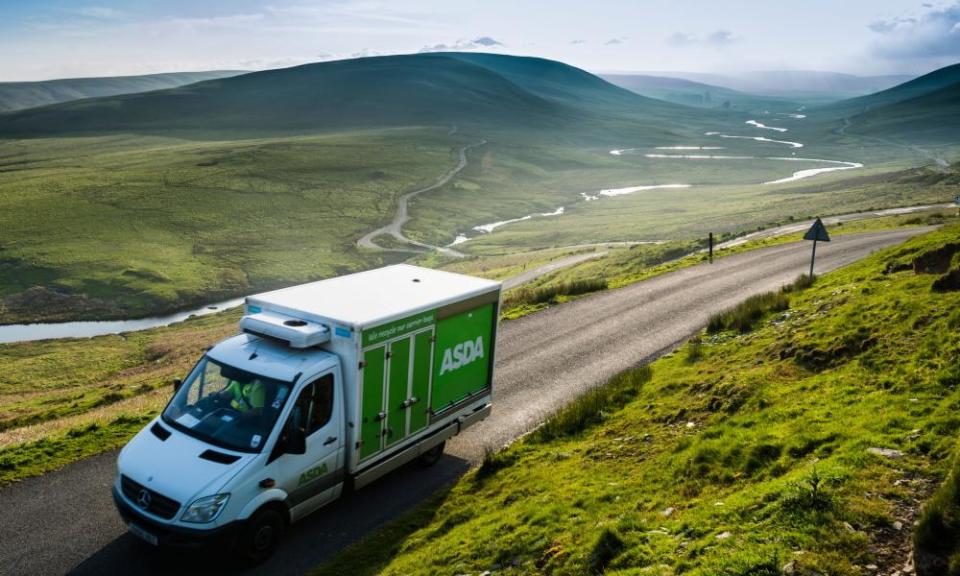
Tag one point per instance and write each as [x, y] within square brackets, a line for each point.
[205, 509]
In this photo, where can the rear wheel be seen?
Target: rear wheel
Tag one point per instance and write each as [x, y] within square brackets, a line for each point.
[261, 536]
[431, 456]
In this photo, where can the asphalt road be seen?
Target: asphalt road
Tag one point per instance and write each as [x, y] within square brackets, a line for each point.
[64, 521]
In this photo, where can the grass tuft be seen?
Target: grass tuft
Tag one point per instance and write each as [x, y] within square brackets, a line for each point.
[593, 406]
[746, 315]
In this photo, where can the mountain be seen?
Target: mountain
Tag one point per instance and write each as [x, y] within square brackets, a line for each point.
[405, 90]
[796, 84]
[21, 95]
[690, 93]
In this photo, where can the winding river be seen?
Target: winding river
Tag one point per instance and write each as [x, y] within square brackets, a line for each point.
[29, 332]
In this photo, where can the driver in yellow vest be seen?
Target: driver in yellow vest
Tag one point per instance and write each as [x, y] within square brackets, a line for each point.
[245, 397]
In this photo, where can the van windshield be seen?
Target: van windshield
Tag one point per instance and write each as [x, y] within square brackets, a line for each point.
[227, 406]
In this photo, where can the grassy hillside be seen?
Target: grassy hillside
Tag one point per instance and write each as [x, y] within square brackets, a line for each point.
[409, 90]
[21, 95]
[118, 226]
[926, 84]
[802, 446]
[927, 119]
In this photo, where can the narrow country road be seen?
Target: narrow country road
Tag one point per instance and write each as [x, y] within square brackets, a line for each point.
[65, 522]
[400, 217]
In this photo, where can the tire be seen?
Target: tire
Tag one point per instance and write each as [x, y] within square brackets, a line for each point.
[431, 456]
[261, 536]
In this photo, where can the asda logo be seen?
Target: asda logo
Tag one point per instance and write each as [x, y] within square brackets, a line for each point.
[461, 355]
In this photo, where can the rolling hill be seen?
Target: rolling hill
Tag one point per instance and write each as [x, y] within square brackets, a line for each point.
[690, 93]
[942, 78]
[796, 84]
[407, 90]
[22, 95]
[923, 110]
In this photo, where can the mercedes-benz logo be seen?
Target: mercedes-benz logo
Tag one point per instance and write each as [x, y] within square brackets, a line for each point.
[143, 499]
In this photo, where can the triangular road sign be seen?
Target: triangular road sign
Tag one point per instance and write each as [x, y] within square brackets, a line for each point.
[817, 232]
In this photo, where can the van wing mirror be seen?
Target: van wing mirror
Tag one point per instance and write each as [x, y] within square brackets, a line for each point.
[176, 384]
[296, 441]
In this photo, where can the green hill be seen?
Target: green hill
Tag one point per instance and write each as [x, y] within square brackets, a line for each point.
[21, 95]
[421, 89]
[926, 84]
[931, 118]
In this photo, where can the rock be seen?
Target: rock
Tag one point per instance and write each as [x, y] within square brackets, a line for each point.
[691, 424]
[898, 525]
[723, 535]
[789, 567]
[872, 567]
[668, 512]
[647, 438]
[886, 452]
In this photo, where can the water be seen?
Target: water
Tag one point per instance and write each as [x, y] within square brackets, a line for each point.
[88, 329]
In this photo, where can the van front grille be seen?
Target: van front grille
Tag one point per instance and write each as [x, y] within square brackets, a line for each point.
[146, 499]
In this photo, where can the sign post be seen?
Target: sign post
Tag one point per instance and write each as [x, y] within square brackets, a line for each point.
[816, 232]
[956, 201]
[710, 242]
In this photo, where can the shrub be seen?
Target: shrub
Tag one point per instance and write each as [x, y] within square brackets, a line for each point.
[592, 407]
[937, 537]
[745, 316]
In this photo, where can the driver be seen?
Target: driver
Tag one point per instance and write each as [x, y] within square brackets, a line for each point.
[250, 397]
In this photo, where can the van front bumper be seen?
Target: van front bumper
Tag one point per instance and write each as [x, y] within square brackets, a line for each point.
[176, 536]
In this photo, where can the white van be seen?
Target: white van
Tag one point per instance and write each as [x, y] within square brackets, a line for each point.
[329, 386]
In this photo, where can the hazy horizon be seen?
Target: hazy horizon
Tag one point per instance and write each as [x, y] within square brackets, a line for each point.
[71, 38]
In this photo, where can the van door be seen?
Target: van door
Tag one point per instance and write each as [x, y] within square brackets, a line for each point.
[311, 479]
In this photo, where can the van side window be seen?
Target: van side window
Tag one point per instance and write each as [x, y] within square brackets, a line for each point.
[322, 407]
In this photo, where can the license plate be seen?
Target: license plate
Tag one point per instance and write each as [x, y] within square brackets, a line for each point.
[143, 534]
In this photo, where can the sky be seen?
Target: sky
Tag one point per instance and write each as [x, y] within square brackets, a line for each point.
[43, 39]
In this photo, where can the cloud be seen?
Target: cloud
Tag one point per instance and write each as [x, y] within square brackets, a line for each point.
[475, 44]
[720, 38]
[716, 39]
[934, 34]
[613, 42]
[578, 42]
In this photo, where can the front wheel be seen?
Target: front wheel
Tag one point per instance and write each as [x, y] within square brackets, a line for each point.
[261, 536]
[431, 456]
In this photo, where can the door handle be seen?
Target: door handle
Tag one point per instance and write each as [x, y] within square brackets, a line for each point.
[409, 402]
[330, 440]
[381, 416]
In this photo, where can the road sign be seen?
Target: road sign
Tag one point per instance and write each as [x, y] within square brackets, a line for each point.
[816, 232]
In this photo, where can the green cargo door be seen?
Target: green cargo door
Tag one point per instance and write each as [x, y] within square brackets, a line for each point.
[397, 391]
[462, 362]
[420, 389]
[371, 426]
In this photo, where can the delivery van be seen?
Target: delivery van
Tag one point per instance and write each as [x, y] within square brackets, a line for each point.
[329, 386]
